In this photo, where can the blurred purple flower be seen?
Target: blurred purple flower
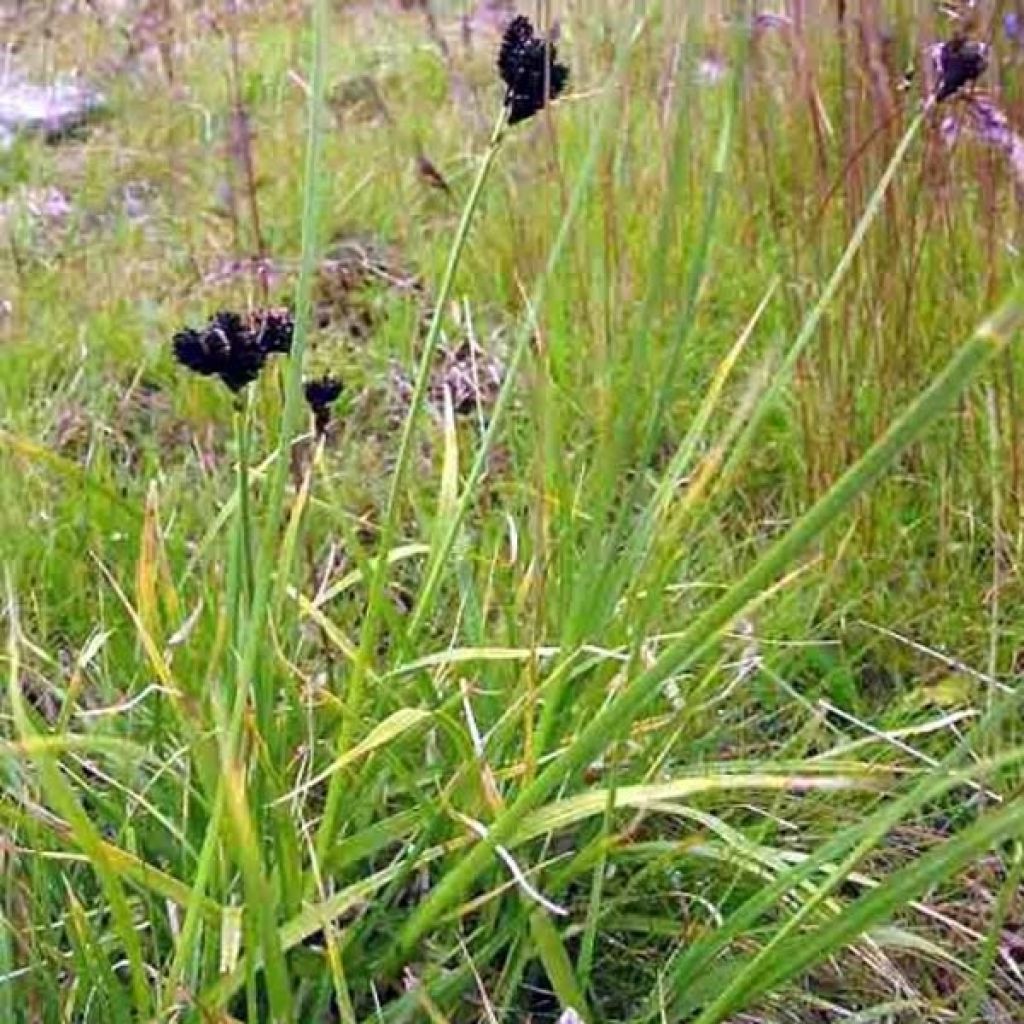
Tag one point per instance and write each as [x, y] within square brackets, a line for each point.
[711, 70]
[989, 124]
[1013, 27]
[949, 131]
[993, 127]
[769, 20]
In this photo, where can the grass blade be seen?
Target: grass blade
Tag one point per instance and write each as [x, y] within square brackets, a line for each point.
[989, 339]
[780, 962]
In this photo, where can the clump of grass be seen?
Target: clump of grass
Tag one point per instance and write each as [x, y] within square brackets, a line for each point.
[578, 702]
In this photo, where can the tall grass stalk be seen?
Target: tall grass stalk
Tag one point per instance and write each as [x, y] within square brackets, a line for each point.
[443, 548]
[230, 794]
[396, 493]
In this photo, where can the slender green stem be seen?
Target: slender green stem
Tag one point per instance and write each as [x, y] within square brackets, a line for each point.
[185, 949]
[242, 419]
[266, 557]
[259, 892]
[524, 335]
[234, 591]
[620, 713]
[371, 622]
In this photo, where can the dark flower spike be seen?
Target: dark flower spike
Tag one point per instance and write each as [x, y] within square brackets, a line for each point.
[528, 66]
[959, 61]
[198, 351]
[321, 393]
[274, 330]
[224, 348]
[235, 348]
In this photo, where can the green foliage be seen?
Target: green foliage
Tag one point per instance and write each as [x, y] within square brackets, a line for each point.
[669, 677]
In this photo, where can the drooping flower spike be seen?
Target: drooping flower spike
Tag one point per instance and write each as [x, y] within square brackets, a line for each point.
[321, 393]
[958, 62]
[234, 348]
[274, 329]
[529, 68]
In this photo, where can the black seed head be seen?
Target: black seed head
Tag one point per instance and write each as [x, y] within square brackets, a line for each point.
[199, 351]
[321, 393]
[517, 40]
[274, 330]
[323, 390]
[225, 348]
[529, 68]
[244, 367]
[960, 61]
[229, 324]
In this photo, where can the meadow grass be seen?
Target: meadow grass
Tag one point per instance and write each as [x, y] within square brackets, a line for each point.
[673, 676]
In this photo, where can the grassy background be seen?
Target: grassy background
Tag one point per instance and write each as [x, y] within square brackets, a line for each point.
[813, 814]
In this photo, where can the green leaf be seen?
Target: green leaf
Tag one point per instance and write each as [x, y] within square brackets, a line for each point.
[557, 964]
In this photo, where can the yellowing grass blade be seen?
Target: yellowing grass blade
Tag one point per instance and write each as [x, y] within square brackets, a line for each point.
[347, 582]
[330, 630]
[149, 644]
[302, 926]
[390, 729]
[463, 655]
[448, 497]
[574, 809]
